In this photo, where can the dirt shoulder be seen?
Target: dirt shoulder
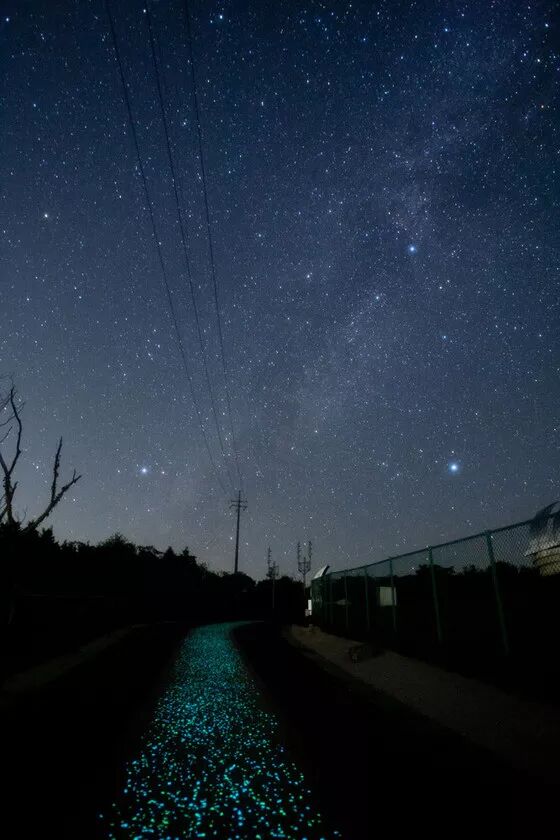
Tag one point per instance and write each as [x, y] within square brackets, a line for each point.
[523, 733]
[375, 762]
[66, 726]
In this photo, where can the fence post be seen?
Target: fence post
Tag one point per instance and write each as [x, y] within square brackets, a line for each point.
[366, 581]
[331, 606]
[393, 596]
[499, 604]
[435, 596]
[346, 599]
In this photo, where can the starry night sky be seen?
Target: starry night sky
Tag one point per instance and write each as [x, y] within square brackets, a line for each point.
[383, 191]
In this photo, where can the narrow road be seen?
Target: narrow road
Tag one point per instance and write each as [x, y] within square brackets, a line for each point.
[211, 763]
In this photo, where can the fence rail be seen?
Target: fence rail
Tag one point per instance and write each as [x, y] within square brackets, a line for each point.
[492, 593]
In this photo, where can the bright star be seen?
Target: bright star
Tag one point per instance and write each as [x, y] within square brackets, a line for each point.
[412, 249]
[144, 470]
[453, 467]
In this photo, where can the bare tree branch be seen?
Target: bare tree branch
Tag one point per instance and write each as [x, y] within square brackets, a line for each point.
[4, 402]
[9, 491]
[56, 469]
[7, 465]
[11, 401]
[7, 434]
[8, 469]
[17, 418]
[56, 494]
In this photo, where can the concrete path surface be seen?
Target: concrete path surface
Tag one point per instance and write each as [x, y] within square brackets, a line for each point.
[524, 733]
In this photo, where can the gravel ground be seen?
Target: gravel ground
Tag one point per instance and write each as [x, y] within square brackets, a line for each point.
[526, 734]
[212, 763]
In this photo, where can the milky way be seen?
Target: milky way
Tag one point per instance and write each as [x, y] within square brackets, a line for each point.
[383, 192]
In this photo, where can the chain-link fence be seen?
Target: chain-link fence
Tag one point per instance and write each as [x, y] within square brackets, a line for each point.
[494, 593]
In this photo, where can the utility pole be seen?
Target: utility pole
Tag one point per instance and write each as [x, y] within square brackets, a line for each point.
[239, 504]
[304, 563]
[272, 572]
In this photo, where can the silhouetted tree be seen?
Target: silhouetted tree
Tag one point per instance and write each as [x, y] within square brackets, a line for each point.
[12, 423]
[12, 524]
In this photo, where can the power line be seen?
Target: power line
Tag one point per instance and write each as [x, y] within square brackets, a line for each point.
[209, 231]
[174, 181]
[150, 209]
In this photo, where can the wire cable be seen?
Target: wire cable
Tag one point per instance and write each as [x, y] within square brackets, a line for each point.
[150, 208]
[209, 231]
[174, 181]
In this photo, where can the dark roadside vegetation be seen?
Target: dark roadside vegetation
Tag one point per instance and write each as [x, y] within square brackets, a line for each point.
[373, 764]
[88, 635]
[472, 641]
[56, 597]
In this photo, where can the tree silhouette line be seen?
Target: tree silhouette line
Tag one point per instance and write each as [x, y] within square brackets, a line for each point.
[57, 595]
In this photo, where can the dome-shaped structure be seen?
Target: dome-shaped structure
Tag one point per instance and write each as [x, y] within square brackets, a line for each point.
[544, 540]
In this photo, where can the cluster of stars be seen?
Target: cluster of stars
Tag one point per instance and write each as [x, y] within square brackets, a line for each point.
[383, 200]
